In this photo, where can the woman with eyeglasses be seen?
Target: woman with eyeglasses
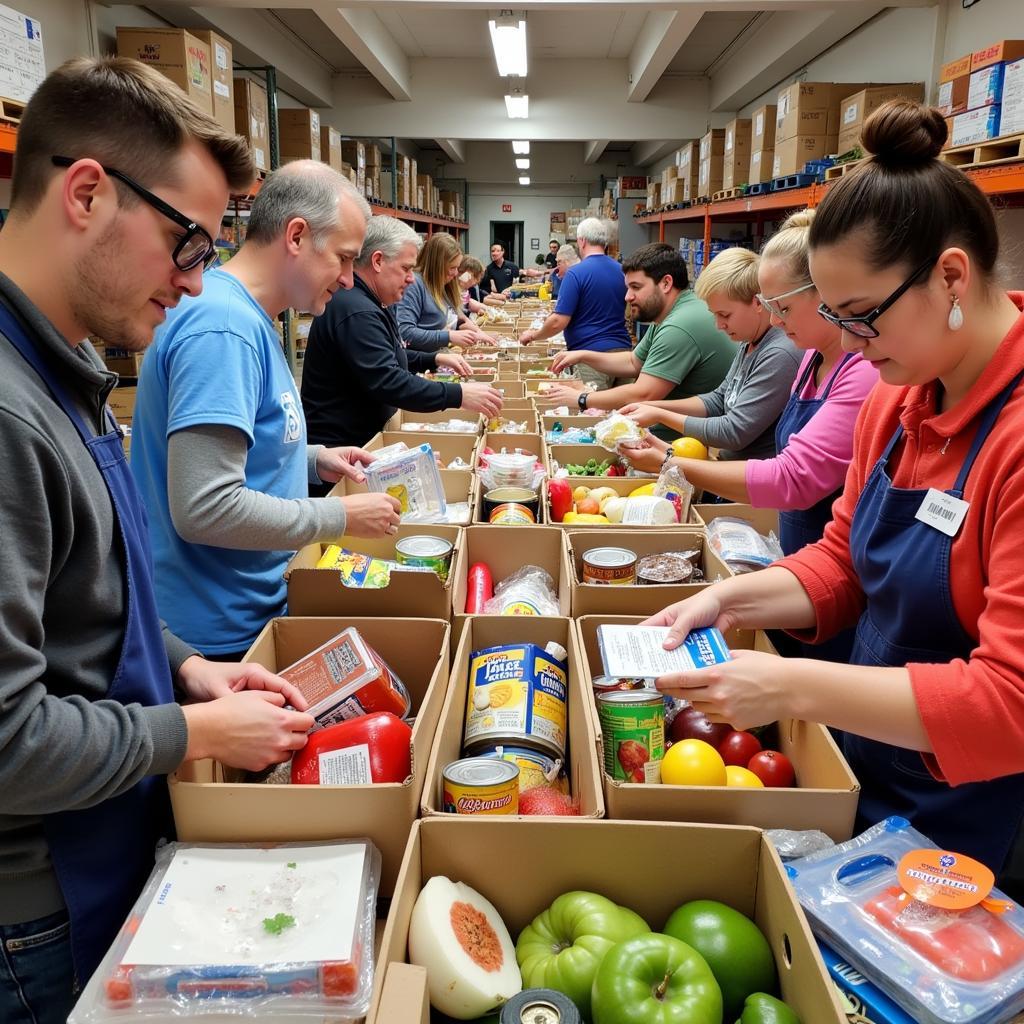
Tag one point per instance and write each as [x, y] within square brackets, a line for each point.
[924, 552]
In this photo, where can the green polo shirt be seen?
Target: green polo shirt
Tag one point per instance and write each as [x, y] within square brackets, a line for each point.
[688, 350]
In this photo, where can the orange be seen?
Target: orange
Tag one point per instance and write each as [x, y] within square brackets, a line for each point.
[688, 448]
[693, 763]
[737, 776]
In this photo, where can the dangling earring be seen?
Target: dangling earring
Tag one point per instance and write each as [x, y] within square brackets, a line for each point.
[956, 315]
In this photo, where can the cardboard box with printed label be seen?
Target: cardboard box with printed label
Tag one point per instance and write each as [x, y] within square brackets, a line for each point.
[952, 95]
[299, 131]
[956, 68]
[483, 631]
[1012, 120]
[998, 53]
[330, 146]
[521, 865]
[855, 108]
[802, 109]
[712, 143]
[354, 152]
[676, 192]
[177, 54]
[762, 127]
[221, 80]
[825, 796]
[252, 119]
[986, 87]
[709, 176]
[975, 126]
[762, 162]
[792, 154]
[214, 803]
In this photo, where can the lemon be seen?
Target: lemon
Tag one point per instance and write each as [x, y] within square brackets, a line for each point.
[688, 448]
[644, 491]
[737, 776]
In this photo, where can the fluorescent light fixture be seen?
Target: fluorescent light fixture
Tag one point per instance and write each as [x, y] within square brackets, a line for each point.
[523, 163]
[508, 37]
[517, 103]
[524, 179]
[521, 147]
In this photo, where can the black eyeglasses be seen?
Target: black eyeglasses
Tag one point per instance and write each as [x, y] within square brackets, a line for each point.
[863, 326]
[194, 247]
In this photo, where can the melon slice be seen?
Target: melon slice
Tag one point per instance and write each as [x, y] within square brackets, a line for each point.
[467, 951]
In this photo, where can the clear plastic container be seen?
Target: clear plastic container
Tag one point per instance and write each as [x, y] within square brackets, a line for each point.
[412, 477]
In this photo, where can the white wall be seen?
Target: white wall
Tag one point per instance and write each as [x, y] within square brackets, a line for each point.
[533, 209]
[986, 22]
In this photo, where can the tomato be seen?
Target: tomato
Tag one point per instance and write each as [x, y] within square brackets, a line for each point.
[563, 946]
[734, 947]
[737, 776]
[739, 747]
[692, 763]
[691, 724]
[655, 979]
[773, 769]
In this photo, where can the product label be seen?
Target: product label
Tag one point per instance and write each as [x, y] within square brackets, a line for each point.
[759, 124]
[222, 90]
[633, 739]
[260, 157]
[349, 766]
[944, 879]
[220, 56]
[638, 651]
[850, 114]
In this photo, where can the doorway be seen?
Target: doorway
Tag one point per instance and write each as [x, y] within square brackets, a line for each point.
[510, 234]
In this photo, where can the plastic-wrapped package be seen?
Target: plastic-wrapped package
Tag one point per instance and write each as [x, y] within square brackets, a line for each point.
[444, 427]
[413, 478]
[570, 435]
[281, 932]
[672, 484]
[617, 430]
[507, 469]
[528, 591]
[919, 923]
[790, 844]
[740, 546]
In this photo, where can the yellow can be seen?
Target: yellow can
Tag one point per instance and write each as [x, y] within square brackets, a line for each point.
[480, 785]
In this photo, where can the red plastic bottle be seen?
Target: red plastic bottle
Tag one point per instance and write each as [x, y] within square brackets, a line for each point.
[480, 588]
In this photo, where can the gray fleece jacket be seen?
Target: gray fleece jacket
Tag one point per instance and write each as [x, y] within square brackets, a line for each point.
[62, 604]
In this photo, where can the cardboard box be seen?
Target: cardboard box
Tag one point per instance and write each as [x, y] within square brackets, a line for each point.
[736, 159]
[521, 865]
[762, 162]
[825, 797]
[600, 599]
[802, 109]
[527, 442]
[955, 68]
[792, 154]
[997, 53]
[122, 403]
[354, 152]
[712, 143]
[952, 95]
[299, 133]
[212, 804]
[762, 127]
[986, 87]
[975, 126]
[330, 146]
[483, 631]
[1011, 121]
[856, 108]
[372, 151]
[676, 192]
[221, 80]
[444, 416]
[177, 54]
[764, 520]
[419, 595]
[709, 176]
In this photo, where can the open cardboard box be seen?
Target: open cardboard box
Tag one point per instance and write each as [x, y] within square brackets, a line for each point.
[764, 520]
[511, 388]
[623, 486]
[460, 485]
[313, 591]
[825, 797]
[578, 454]
[516, 413]
[646, 599]
[522, 865]
[448, 446]
[445, 416]
[584, 422]
[504, 549]
[212, 804]
[490, 631]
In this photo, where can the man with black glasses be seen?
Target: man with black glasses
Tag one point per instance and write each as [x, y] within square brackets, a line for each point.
[119, 185]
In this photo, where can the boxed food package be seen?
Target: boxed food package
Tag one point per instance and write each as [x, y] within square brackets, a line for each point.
[252, 119]
[177, 54]
[1011, 121]
[976, 126]
[762, 127]
[986, 86]
[330, 146]
[762, 163]
[792, 154]
[998, 53]
[299, 133]
[952, 95]
[222, 80]
[856, 108]
[956, 68]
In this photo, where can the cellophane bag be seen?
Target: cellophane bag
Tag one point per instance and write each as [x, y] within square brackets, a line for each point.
[279, 932]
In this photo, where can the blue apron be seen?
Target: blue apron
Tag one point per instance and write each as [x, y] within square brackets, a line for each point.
[904, 568]
[103, 855]
[800, 527]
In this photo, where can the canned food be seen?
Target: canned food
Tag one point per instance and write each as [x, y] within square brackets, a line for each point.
[667, 567]
[512, 514]
[424, 551]
[480, 785]
[633, 732]
[614, 566]
[535, 768]
[499, 497]
[604, 684]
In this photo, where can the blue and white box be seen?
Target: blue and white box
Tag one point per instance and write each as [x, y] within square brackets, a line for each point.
[986, 87]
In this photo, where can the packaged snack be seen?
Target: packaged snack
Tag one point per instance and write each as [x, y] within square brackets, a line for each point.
[528, 591]
[617, 429]
[413, 478]
[740, 546]
[638, 651]
[362, 571]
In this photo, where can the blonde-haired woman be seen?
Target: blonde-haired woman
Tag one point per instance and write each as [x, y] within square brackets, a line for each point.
[739, 416]
[430, 313]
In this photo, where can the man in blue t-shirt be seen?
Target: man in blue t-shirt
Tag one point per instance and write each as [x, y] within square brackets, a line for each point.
[219, 446]
[591, 307]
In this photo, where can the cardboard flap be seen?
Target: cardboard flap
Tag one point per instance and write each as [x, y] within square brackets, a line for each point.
[404, 995]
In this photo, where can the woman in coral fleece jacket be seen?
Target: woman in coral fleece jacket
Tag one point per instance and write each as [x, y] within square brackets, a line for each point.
[924, 551]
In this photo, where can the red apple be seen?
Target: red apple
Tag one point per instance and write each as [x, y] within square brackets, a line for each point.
[773, 769]
[738, 748]
[691, 724]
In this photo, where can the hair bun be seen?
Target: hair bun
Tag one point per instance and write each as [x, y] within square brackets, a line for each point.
[902, 133]
[802, 219]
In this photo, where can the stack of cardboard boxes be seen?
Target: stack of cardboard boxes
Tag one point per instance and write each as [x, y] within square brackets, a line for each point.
[353, 162]
[252, 119]
[712, 163]
[982, 94]
[856, 108]
[177, 53]
[762, 145]
[671, 186]
[373, 169]
[298, 132]
[688, 162]
[737, 153]
[330, 146]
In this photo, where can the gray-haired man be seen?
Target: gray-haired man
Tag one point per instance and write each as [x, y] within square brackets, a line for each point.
[219, 441]
[357, 371]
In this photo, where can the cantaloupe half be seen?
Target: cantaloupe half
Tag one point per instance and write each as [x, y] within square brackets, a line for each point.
[469, 956]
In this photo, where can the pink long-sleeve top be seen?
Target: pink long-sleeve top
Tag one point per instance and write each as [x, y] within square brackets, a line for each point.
[813, 464]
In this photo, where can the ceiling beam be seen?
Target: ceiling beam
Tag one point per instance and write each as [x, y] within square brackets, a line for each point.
[785, 42]
[454, 149]
[659, 40]
[593, 151]
[646, 153]
[372, 45]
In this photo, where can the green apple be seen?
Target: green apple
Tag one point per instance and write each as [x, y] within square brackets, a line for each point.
[655, 979]
[761, 1008]
[563, 947]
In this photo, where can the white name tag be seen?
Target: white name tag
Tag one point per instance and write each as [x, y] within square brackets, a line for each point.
[942, 511]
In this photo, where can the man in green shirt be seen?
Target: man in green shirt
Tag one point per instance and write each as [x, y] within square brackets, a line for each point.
[681, 355]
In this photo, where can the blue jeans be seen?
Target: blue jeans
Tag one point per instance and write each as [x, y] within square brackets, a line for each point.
[36, 973]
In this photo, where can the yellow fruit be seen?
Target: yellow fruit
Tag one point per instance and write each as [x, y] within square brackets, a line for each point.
[587, 519]
[688, 448]
[693, 763]
[644, 491]
[737, 776]
[580, 493]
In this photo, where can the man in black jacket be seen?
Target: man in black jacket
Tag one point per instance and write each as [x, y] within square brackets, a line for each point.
[357, 371]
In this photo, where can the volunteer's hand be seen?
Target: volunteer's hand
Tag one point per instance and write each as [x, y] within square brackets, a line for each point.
[248, 730]
[334, 463]
[566, 359]
[703, 609]
[645, 415]
[565, 392]
[750, 690]
[371, 515]
[527, 336]
[483, 338]
[645, 458]
[204, 680]
[455, 362]
[477, 397]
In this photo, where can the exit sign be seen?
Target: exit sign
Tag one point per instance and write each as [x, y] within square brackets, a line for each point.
[506, 207]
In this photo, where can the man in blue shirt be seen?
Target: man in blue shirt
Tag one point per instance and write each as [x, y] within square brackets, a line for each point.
[591, 308]
[219, 446]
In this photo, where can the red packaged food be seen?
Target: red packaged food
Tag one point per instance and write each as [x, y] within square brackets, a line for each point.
[479, 590]
[371, 748]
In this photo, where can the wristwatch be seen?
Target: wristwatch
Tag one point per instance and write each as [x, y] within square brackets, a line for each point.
[582, 400]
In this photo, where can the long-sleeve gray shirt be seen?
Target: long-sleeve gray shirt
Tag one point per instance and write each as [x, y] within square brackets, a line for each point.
[421, 322]
[743, 410]
[63, 745]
